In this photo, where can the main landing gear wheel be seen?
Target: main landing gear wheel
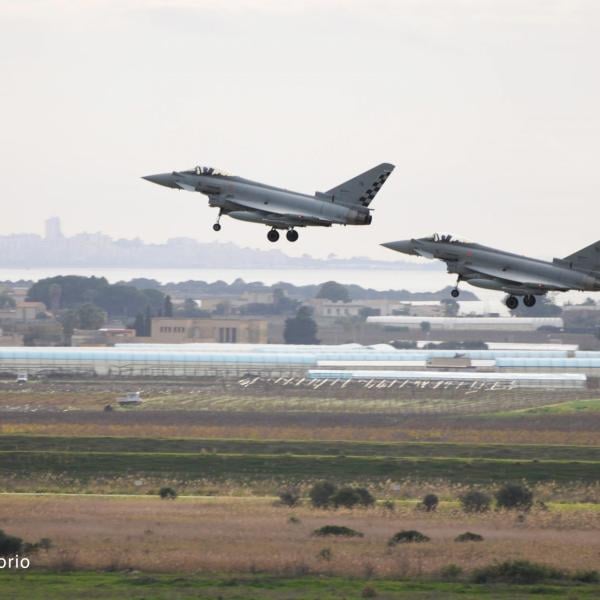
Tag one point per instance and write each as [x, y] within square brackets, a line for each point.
[273, 235]
[455, 293]
[291, 235]
[529, 301]
[512, 302]
[217, 227]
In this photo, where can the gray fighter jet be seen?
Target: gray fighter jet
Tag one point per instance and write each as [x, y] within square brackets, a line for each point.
[514, 274]
[345, 204]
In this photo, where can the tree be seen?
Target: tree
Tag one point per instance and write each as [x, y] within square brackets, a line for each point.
[334, 291]
[148, 322]
[514, 496]
[139, 325]
[301, 329]
[430, 502]
[90, 316]
[425, 327]
[6, 302]
[451, 307]
[168, 307]
[475, 501]
[321, 493]
[66, 291]
[346, 497]
[544, 307]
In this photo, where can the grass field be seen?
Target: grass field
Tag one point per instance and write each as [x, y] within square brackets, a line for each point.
[138, 465]
[102, 586]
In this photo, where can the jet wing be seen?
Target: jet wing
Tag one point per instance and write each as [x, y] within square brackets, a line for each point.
[513, 276]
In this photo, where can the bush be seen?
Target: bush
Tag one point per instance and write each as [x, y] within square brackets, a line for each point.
[290, 496]
[516, 571]
[366, 498]
[514, 496]
[475, 501]
[337, 530]
[167, 493]
[9, 544]
[467, 536]
[321, 493]
[346, 497]
[368, 592]
[325, 554]
[389, 505]
[451, 571]
[407, 537]
[430, 502]
[293, 520]
[586, 577]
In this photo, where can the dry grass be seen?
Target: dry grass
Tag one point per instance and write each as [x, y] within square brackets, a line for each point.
[250, 535]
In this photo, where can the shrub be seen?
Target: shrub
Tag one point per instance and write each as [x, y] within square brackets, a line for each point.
[407, 537]
[9, 544]
[167, 493]
[294, 520]
[514, 496]
[389, 505]
[325, 554]
[516, 571]
[586, 576]
[451, 571]
[475, 501]
[468, 536]
[337, 530]
[430, 502]
[366, 498]
[346, 497]
[289, 496]
[321, 493]
[368, 592]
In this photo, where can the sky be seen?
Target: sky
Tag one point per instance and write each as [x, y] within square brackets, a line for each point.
[489, 110]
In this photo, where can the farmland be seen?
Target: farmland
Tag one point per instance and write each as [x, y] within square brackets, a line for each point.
[88, 479]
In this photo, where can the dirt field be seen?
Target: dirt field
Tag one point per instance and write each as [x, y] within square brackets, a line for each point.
[250, 535]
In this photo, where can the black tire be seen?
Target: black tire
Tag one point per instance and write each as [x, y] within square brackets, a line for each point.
[217, 227]
[529, 301]
[512, 302]
[273, 235]
[455, 293]
[291, 235]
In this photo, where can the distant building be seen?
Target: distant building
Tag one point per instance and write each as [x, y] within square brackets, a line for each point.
[469, 323]
[53, 229]
[229, 330]
[107, 336]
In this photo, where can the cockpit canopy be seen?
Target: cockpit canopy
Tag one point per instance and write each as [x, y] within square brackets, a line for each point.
[199, 170]
[446, 238]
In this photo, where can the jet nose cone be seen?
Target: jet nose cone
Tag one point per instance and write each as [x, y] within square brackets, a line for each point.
[404, 246]
[166, 179]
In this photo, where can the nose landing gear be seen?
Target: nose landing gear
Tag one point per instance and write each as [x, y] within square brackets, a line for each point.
[455, 293]
[273, 235]
[217, 225]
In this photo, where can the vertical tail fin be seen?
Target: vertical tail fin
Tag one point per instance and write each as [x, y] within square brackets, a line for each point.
[586, 259]
[361, 190]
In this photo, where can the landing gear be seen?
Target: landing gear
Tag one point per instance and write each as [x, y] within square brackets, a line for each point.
[217, 225]
[529, 301]
[512, 302]
[455, 292]
[291, 235]
[273, 235]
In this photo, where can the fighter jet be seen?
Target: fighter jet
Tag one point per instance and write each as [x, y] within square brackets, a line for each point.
[246, 200]
[514, 274]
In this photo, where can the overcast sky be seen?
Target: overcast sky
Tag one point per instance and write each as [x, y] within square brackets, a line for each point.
[489, 110]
